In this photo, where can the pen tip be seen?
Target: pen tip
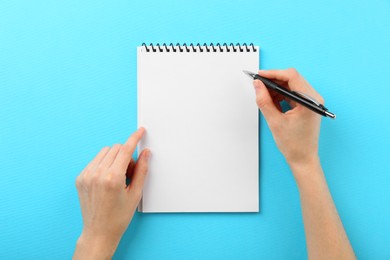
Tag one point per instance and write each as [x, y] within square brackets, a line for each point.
[250, 74]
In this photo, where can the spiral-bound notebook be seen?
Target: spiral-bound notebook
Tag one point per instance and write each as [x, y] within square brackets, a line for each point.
[201, 119]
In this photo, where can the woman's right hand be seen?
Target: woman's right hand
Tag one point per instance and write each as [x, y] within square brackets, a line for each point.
[296, 131]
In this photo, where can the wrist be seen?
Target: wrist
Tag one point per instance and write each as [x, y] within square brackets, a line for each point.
[306, 169]
[304, 163]
[91, 246]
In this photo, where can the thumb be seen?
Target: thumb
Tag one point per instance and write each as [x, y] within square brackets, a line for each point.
[264, 102]
[140, 173]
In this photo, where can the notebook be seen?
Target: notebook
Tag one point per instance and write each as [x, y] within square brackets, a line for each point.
[201, 121]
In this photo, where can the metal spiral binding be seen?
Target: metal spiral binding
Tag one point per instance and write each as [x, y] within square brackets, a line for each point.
[202, 48]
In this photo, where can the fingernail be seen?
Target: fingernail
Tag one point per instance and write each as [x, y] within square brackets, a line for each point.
[141, 129]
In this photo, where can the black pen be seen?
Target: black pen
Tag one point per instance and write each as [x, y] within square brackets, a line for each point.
[296, 96]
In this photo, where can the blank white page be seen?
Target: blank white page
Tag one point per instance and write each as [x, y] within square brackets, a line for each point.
[201, 123]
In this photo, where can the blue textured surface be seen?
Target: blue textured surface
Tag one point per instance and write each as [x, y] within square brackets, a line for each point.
[68, 87]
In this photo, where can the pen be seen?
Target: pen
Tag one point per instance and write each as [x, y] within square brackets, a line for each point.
[296, 96]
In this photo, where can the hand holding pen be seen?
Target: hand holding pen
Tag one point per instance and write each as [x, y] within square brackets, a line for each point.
[292, 95]
[295, 132]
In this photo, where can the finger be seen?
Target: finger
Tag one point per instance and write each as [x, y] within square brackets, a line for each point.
[130, 169]
[96, 161]
[265, 102]
[126, 152]
[291, 76]
[140, 172]
[281, 83]
[110, 157]
[294, 81]
[277, 98]
[279, 75]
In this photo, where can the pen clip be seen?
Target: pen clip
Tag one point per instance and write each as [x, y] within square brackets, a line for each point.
[309, 98]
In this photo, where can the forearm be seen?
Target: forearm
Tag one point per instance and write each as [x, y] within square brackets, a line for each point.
[94, 248]
[325, 234]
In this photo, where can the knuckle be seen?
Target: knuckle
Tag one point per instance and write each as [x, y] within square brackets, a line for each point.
[321, 100]
[87, 171]
[86, 180]
[110, 182]
[126, 149]
[93, 179]
[135, 137]
[79, 182]
[293, 73]
[117, 146]
[105, 148]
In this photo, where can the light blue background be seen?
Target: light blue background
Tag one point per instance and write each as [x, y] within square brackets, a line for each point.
[68, 88]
